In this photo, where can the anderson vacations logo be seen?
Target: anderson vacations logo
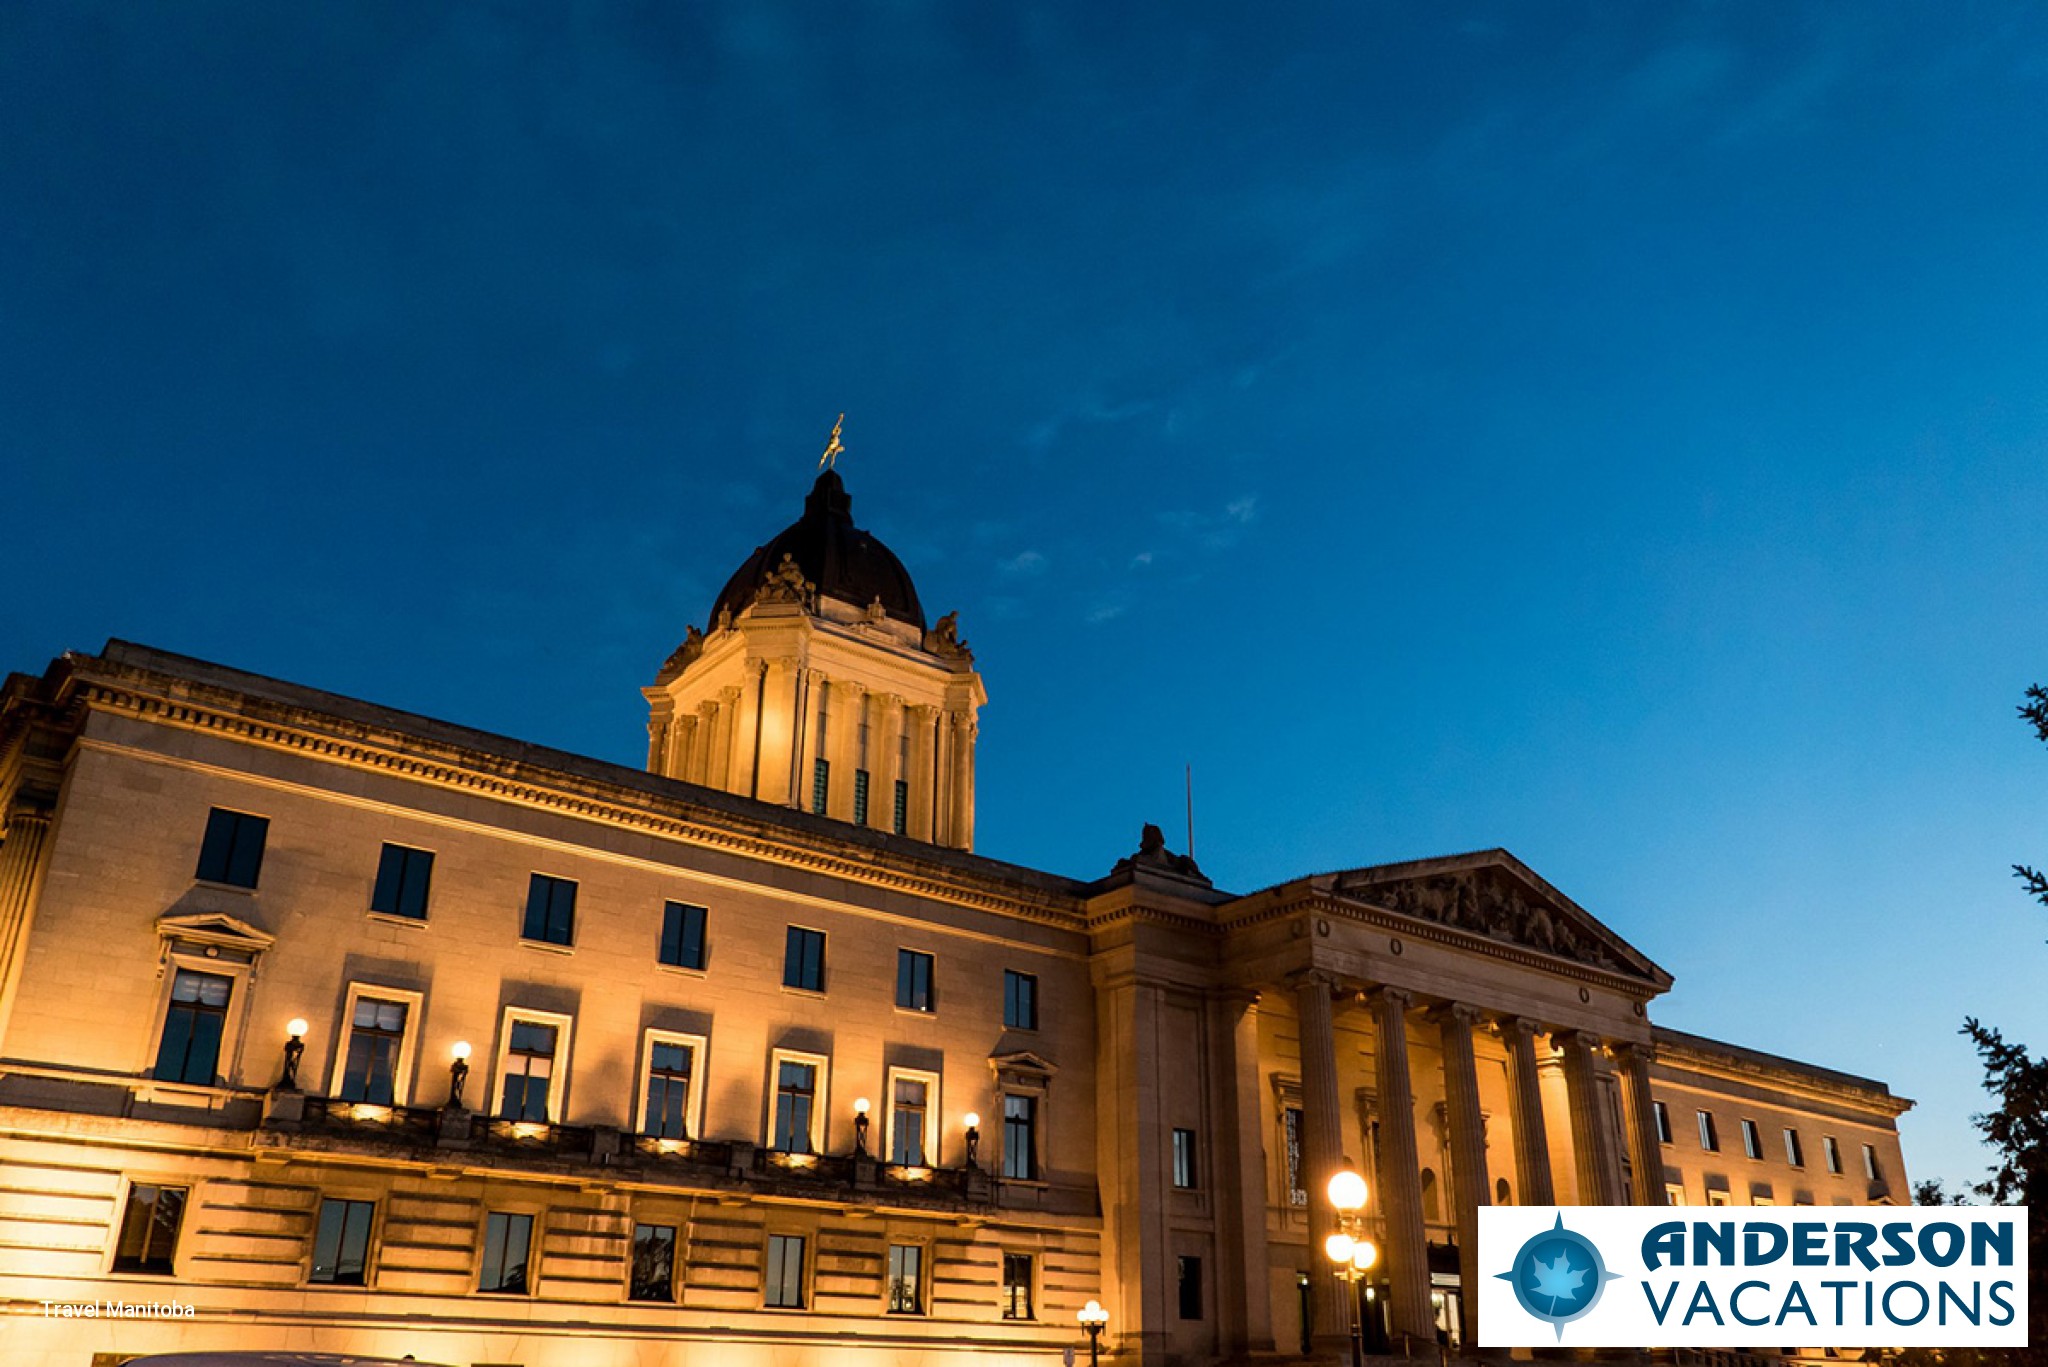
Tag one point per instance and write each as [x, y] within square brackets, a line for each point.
[1723, 1277]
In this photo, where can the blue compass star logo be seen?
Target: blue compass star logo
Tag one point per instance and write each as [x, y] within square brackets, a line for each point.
[1558, 1276]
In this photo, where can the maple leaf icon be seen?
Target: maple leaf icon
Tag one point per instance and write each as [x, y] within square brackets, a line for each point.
[1556, 1279]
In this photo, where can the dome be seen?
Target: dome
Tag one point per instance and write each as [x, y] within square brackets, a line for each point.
[842, 560]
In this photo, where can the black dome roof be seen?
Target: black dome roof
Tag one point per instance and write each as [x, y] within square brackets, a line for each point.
[842, 560]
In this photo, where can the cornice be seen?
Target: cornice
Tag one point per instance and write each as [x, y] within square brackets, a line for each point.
[284, 727]
[1731, 1064]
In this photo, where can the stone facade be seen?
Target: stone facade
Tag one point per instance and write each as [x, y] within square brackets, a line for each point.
[1164, 1074]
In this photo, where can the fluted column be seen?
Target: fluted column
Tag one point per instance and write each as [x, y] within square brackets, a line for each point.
[1598, 1167]
[1468, 1150]
[1244, 1279]
[1532, 1142]
[1400, 1174]
[21, 876]
[1646, 1150]
[1321, 1135]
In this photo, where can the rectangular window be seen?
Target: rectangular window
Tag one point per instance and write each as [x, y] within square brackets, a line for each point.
[654, 1264]
[1752, 1140]
[232, 852]
[1017, 1286]
[784, 1287]
[796, 1095]
[906, 1279]
[341, 1245]
[376, 1032]
[803, 960]
[1710, 1139]
[149, 1229]
[403, 874]
[1834, 1153]
[670, 1064]
[1716, 1196]
[190, 1048]
[821, 784]
[1674, 1194]
[1663, 1122]
[1870, 1163]
[901, 822]
[1020, 1137]
[914, 981]
[507, 1239]
[1290, 1127]
[1020, 1000]
[550, 910]
[860, 797]
[1794, 1154]
[909, 1113]
[1184, 1159]
[682, 936]
[529, 1071]
[1190, 1287]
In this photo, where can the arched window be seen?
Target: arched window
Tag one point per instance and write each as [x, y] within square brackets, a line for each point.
[1429, 1203]
[1502, 1195]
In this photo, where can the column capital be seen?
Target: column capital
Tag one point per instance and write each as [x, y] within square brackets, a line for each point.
[1571, 1040]
[1330, 981]
[1400, 998]
[1520, 1027]
[1635, 1053]
[26, 810]
[1462, 1013]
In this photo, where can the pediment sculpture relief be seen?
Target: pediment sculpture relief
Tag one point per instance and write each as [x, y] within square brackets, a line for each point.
[1489, 903]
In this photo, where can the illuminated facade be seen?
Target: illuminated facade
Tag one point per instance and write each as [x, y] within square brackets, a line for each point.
[361, 1032]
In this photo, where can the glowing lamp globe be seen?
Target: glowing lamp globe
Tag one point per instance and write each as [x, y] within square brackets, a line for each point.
[460, 1051]
[1364, 1255]
[1340, 1247]
[296, 1027]
[1347, 1191]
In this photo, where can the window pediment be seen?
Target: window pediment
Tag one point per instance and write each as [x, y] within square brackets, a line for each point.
[214, 934]
[1022, 1069]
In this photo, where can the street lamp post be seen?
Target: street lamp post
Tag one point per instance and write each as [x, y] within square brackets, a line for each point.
[1349, 1251]
[1093, 1317]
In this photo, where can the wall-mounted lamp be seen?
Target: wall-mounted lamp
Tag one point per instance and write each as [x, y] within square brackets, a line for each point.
[860, 1125]
[294, 1050]
[973, 1123]
[458, 1073]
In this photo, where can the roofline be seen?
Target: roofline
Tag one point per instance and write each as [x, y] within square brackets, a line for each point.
[1667, 1039]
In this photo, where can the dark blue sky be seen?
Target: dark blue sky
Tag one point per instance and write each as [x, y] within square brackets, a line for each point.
[1614, 432]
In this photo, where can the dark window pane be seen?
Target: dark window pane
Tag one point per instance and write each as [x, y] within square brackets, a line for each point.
[341, 1248]
[821, 782]
[149, 1230]
[550, 910]
[682, 935]
[1016, 1286]
[506, 1242]
[1020, 1001]
[1020, 1138]
[668, 1091]
[654, 1263]
[902, 814]
[375, 1033]
[402, 878]
[914, 980]
[1184, 1159]
[906, 1279]
[1190, 1288]
[860, 797]
[189, 1051]
[803, 963]
[232, 851]
[784, 1286]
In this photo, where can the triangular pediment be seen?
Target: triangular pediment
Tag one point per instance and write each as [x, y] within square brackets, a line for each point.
[1022, 1062]
[214, 928]
[1496, 895]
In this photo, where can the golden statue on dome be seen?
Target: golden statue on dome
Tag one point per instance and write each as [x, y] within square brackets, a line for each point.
[833, 448]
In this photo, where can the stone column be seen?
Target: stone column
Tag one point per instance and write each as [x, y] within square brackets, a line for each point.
[1646, 1150]
[1407, 1251]
[1598, 1166]
[1533, 1186]
[1469, 1181]
[921, 740]
[962, 835]
[21, 877]
[703, 768]
[1239, 1164]
[885, 748]
[1321, 1139]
